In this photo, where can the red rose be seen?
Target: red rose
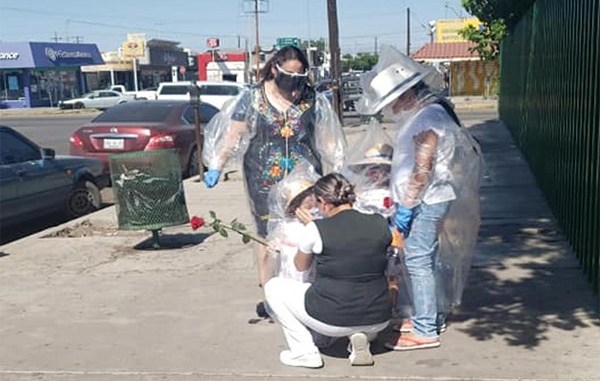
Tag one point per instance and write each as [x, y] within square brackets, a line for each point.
[387, 202]
[197, 222]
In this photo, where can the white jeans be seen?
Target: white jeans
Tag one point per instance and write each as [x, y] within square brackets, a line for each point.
[286, 299]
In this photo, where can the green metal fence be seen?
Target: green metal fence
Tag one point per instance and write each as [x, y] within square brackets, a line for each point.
[550, 101]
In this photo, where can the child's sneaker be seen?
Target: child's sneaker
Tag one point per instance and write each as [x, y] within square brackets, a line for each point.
[360, 354]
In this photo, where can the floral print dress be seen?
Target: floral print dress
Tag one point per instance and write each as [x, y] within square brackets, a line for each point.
[281, 140]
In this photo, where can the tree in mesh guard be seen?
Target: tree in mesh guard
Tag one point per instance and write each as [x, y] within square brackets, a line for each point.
[148, 189]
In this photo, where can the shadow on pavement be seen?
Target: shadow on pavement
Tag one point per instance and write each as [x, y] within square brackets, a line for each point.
[525, 280]
[173, 241]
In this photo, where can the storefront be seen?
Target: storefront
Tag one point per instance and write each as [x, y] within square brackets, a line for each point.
[37, 74]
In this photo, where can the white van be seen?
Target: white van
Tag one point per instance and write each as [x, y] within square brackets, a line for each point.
[214, 93]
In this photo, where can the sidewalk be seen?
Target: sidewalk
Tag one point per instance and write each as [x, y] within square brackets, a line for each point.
[102, 307]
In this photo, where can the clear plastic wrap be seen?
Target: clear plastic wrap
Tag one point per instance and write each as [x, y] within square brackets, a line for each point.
[368, 167]
[227, 136]
[284, 229]
[459, 232]
[269, 143]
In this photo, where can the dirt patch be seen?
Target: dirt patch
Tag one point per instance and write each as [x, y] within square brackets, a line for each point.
[88, 229]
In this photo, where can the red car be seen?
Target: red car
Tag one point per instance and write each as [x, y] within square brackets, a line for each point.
[143, 126]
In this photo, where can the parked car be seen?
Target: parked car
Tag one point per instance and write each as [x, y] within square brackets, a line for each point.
[214, 93]
[143, 126]
[145, 94]
[35, 182]
[101, 99]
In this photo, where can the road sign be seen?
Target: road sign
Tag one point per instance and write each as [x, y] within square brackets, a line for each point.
[288, 41]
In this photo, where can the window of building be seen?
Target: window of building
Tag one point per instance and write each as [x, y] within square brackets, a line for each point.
[11, 86]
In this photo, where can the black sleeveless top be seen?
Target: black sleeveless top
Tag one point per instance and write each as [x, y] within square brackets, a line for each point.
[350, 288]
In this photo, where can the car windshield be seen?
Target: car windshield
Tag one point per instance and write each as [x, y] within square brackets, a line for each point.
[150, 112]
[175, 90]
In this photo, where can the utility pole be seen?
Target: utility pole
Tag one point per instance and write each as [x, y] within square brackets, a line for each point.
[255, 7]
[334, 51]
[408, 31]
[56, 38]
[257, 48]
[376, 48]
[78, 39]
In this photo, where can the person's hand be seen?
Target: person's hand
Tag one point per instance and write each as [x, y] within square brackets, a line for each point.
[211, 177]
[304, 215]
[403, 219]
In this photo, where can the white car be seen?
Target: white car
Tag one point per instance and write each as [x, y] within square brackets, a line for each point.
[101, 99]
[214, 93]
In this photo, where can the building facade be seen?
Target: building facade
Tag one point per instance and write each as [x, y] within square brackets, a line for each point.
[39, 74]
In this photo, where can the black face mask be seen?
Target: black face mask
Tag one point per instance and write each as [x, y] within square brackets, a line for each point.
[288, 83]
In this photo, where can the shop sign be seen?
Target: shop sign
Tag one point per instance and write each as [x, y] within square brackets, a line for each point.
[448, 30]
[9, 55]
[163, 57]
[212, 42]
[54, 54]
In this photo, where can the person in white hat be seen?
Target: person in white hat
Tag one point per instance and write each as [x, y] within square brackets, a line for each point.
[368, 167]
[284, 228]
[431, 156]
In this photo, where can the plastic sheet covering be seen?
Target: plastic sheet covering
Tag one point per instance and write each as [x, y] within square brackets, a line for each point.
[148, 189]
[284, 229]
[368, 167]
[228, 134]
[461, 225]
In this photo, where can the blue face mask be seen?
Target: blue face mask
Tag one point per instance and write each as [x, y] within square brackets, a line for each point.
[316, 215]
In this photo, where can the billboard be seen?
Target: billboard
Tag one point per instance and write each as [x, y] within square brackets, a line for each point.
[447, 30]
[135, 46]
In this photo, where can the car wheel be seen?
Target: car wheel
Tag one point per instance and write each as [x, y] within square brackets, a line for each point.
[79, 105]
[83, 199]
[193, 166]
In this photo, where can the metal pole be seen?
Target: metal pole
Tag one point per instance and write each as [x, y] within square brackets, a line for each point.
[195, 98]
[408, 31]
[257, 49]
[334, 50]
[135, 78]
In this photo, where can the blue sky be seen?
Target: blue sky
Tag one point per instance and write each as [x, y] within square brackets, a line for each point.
[362, 23]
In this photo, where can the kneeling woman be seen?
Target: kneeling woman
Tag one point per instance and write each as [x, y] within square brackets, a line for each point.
[349, 296]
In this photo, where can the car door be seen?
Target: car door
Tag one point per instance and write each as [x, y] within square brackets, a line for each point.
[40, 184]
[107, 99]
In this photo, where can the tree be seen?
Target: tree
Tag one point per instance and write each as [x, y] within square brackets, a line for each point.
[487, 38]
[361, 62]
[497, 16]
[319, 44]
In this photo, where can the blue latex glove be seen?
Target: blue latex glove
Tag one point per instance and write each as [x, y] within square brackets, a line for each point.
[403, 219]
[211, 177]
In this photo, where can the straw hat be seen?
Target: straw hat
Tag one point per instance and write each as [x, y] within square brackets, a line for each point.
[391, 77]
[379, 154]
[292, 189]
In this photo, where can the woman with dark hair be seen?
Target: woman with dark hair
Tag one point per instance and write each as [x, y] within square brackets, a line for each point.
[270, 127]
[349, 296]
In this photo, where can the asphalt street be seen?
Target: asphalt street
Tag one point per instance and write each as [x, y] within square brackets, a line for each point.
[53, 131]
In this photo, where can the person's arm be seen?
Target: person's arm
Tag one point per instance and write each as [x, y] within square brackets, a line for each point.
[311, 244]
[425, 155]
[226, 132]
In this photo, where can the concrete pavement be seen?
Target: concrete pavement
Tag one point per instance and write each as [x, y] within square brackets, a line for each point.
[101, 306]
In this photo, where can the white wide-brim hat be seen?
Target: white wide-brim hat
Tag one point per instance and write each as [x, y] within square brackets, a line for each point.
[381, 154]
[391, 77]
